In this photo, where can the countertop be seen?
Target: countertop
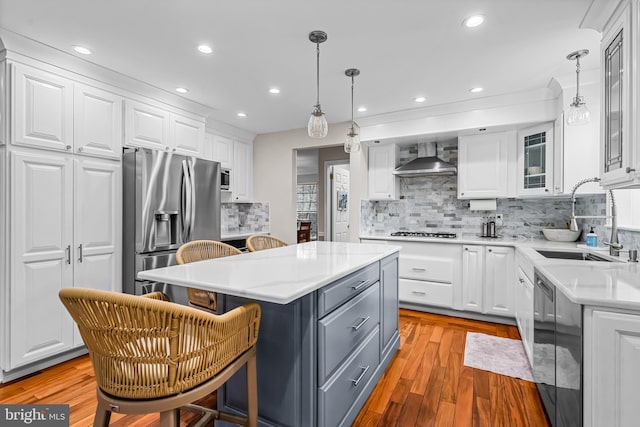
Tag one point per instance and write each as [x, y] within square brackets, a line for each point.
[593, 283]
[279, 275]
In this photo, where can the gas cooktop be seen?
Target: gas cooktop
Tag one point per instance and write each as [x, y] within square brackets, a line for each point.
[424, 234]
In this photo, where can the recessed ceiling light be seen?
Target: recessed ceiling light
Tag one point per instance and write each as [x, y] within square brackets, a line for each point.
[473, 21]
[82, 50]
[182, 90]
[205, 48]
[274, 90]
[362, 109]
[241, 114]
[476, 89]
[419, 99]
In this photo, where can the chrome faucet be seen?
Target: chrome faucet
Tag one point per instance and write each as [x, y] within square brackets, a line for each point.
[614, 242]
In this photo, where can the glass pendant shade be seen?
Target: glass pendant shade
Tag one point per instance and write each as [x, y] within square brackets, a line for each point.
[578, 114]
[318, 126]
[352, 143]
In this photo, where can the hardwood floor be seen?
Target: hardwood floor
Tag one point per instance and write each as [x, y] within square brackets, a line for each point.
[425, 385]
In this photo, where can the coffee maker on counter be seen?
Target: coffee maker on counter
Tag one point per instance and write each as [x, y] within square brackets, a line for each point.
[489, 227]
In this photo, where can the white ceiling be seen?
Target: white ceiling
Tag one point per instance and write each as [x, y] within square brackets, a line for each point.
[404, 48]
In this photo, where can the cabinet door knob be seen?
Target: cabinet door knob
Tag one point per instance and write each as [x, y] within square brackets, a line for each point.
[462, 194]
[546, 190]
[79, 149]
[490, 250]
[466, 249]
[68, 147]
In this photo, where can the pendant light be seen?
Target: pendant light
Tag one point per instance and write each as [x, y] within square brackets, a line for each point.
[317, 127]
[578, 112]
[352, 144]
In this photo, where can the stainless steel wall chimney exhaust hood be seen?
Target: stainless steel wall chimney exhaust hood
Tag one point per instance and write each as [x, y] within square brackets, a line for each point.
[426, 164]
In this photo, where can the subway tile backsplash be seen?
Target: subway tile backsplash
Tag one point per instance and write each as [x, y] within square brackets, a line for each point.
[431, 204]
[244, 218]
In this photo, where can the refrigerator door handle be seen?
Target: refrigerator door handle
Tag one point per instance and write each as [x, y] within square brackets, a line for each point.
[192, 190]
[185, 197]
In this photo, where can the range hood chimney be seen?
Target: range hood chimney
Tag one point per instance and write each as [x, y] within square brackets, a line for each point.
[426, 164]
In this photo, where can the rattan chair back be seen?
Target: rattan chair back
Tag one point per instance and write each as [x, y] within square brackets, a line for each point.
[150, 355]
[259, 242]
[200, 250]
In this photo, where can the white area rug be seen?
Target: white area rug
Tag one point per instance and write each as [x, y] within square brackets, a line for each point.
[503, 356]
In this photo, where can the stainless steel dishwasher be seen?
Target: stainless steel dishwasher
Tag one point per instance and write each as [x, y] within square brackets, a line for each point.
[557, 353]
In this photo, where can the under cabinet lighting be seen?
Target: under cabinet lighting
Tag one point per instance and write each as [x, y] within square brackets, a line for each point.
[274, 90]
[203, 48]
[82, 50]
[241, 114]
[419, 99]
[476, 89]
[182, 90]
[362, 109]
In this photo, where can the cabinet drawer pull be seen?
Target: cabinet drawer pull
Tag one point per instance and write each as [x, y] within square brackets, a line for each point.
[80, 252]
[521, 280]
[359, 285]
[421, 293]
[418, 269]
[630, 169]
[362, 322]
[362, 374]
[68, 254]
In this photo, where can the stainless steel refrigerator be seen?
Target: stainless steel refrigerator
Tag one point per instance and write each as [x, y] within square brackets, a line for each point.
[169, 199]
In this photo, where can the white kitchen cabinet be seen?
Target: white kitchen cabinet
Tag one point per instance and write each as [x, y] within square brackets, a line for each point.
[483, 165]
[223, 151]
[97, 119]
[186, 135]
[472, 277]
[498, 280]
[611, 370]
[620, 148]
[41, 218]
[430, 274]
[149, 126]
[242, 175]
[535, 161]
[383, 184]
[55, 113]
[487, 279]
[66, 218]
[146, 126]
[42, 109]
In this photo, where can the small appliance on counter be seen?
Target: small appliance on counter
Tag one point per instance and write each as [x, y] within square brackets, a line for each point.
[489, 227]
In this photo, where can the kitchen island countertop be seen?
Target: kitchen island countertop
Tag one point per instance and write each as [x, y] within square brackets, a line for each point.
[279, 275]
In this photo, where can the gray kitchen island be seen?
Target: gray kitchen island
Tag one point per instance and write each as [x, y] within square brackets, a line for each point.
[329, 325]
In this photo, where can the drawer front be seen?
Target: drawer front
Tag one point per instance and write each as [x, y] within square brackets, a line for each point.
[335, 294]
[428, 293]
[341, 331]
[340, 392]
[426, 267]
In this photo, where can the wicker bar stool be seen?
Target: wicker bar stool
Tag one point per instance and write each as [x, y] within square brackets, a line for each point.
[150, 355]
[259, 242]
[199, 250]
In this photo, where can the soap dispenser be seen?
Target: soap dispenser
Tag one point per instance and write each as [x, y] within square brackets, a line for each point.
[592, 239]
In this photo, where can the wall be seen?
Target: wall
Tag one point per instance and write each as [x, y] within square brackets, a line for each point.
[430, 204]
[274, 175]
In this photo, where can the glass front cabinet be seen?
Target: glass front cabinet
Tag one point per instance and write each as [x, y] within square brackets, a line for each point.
[617, 153]
[535, 160]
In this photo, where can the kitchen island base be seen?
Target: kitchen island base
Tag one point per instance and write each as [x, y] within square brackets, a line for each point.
[320, 356]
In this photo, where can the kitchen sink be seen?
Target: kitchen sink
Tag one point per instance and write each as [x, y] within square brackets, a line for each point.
[575, 255]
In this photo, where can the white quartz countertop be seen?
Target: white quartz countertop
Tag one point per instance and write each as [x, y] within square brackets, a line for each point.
[595, 283]
[279, 275]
